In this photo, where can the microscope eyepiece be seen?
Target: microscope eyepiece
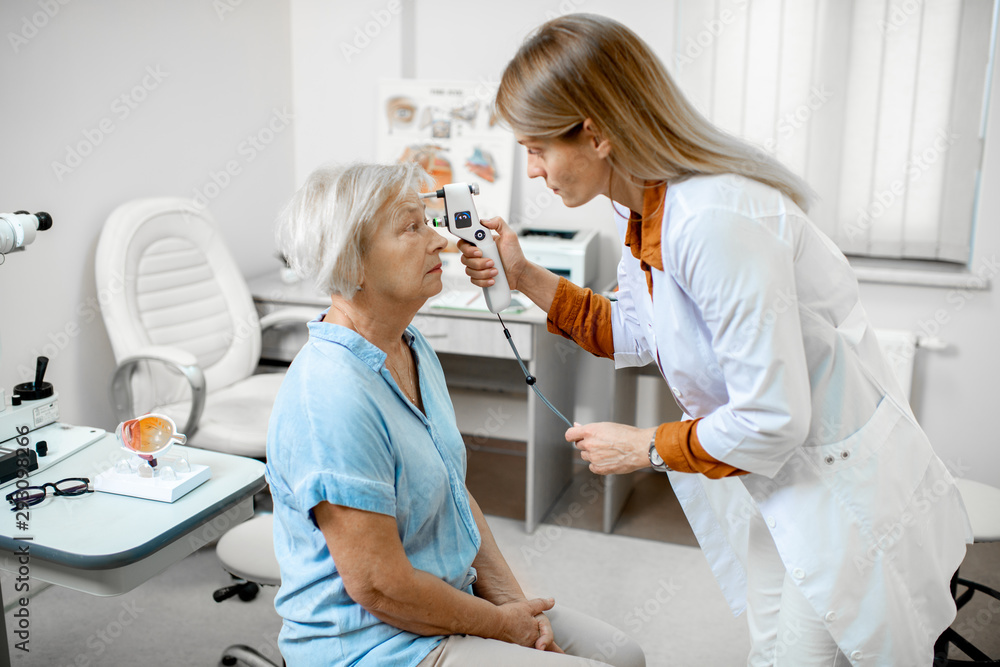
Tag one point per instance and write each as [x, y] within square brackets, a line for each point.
[18, 229]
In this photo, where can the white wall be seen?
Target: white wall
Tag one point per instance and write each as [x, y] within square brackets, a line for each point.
[221, 76]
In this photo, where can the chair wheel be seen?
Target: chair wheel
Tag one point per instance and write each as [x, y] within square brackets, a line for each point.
[249, 591]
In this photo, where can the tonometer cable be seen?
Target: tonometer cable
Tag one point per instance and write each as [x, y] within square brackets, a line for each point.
[528, 378]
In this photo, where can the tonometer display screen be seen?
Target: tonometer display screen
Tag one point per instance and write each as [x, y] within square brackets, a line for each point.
[463, 220]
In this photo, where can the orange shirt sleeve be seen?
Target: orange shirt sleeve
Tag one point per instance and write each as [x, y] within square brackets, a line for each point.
[677, 443]
[583, 317]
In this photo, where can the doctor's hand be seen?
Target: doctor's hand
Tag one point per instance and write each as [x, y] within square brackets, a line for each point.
[481, 270]
[612, 449]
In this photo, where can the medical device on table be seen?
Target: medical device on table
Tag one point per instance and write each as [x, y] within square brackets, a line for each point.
[31, 437]
[462, 220]
[19, 229]
[570, 253]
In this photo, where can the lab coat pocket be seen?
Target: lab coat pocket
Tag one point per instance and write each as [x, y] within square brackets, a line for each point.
[855, 449]
[874, 472]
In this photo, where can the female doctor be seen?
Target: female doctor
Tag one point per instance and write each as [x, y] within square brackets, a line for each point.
[814, 494]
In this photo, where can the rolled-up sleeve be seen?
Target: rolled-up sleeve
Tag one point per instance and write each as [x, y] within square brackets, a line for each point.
[740, 276]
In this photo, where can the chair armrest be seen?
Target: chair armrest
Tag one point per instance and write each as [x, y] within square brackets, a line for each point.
[291, 315]
[181, 360]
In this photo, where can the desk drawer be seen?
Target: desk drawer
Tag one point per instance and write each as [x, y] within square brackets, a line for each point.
[475, 337]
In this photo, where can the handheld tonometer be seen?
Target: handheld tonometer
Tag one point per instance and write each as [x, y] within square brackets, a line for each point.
[462, 220]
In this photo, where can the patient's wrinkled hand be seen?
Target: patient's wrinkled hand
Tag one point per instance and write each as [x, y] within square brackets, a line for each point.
[521, 624]
[546, 637]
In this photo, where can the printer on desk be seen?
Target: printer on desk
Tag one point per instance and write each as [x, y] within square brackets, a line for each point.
[566, 252]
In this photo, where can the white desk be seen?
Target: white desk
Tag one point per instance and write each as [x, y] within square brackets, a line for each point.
[106, 544]
[487, 386]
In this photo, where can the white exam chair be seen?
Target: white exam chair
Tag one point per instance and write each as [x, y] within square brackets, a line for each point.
[183, 326]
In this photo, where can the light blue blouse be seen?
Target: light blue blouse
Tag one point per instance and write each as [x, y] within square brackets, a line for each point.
[342, 431]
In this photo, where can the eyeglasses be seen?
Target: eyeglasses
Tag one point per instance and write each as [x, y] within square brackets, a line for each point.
[32, 495]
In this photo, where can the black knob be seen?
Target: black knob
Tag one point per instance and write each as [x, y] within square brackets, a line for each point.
[44, 221]
[40, 365]
[33, 391]
[42, 447]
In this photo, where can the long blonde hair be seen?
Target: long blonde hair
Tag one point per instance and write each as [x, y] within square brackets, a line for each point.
[582, 66]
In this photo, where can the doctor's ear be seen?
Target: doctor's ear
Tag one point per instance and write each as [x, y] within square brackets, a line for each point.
[593, 136]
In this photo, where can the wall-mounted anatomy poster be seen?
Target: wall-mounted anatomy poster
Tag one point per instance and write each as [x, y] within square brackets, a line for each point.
[450, 129]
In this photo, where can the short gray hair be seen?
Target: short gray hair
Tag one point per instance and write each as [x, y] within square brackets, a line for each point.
[325, 230]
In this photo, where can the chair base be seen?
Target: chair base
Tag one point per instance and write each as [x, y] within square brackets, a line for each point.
[247, 590]
[950, 636]
[240, 653]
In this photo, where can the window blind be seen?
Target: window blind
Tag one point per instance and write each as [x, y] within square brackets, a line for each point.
[878, 104]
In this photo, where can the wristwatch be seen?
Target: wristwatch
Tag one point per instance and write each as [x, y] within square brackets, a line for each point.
[655, 459]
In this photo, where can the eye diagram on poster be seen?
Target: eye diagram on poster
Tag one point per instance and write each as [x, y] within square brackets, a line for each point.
[449, 129]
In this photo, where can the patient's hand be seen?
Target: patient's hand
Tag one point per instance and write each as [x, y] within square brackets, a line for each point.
[546, 638]
[521, 624]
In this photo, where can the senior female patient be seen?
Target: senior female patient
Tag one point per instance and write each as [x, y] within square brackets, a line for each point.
[385, 557]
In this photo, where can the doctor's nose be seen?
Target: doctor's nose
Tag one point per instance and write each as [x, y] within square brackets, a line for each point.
[534, 169]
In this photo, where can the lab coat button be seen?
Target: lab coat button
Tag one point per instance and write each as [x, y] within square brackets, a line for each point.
[770, 521]
[856, 655]
[798, 573]
[677, 392]
[829, 460]
[831, 617]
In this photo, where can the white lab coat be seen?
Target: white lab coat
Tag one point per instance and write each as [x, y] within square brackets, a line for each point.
[757, 327]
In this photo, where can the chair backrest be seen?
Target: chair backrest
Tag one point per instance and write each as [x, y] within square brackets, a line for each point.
[165, 277]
